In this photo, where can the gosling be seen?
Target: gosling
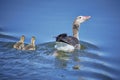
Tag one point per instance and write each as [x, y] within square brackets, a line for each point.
[20, 44]
[30, 46]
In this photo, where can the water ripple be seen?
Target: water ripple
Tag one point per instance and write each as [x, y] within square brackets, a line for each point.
[92, 64]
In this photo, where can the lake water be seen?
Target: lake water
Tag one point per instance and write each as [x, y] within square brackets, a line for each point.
[97, 60]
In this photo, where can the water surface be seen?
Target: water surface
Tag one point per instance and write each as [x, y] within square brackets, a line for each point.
[97, 60]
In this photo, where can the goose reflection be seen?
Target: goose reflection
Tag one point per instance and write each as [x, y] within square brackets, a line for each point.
[63, 60]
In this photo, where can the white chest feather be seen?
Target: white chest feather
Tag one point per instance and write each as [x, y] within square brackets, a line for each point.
[64, 47]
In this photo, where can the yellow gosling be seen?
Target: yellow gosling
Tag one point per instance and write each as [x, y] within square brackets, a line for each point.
[20, 44]
[30, 46]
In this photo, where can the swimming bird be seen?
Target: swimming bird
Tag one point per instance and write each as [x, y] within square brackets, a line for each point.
[70, 43]
[20, 44]
[30, 46]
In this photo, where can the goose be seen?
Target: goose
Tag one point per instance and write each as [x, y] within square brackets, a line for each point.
[20, 44]
[70, 43]
[30, 46]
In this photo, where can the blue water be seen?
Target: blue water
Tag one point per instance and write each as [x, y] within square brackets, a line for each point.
[97, 60]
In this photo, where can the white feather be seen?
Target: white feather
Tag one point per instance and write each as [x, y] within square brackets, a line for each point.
[61, 46]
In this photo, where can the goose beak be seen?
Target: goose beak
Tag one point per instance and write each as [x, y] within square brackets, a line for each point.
[87, 17]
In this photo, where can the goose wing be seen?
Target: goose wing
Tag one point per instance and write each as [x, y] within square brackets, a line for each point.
[70, 40]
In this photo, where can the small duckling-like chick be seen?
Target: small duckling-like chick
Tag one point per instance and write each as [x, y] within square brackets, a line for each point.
[20, 44]
[31, 46]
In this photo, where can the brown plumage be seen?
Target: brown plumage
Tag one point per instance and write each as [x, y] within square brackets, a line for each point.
[30, 46]
[20, 44]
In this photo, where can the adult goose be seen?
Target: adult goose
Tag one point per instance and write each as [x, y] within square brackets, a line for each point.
[20, 44]
[30, 46]
[70, 43]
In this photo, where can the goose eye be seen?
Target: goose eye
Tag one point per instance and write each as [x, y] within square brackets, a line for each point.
[80, 17]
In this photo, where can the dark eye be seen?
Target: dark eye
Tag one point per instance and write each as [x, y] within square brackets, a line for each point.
[80, 17]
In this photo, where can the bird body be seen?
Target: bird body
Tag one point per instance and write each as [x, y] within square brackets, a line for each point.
[61, 46]
[70, 43]
[66, 43]
[20, 44]
[30, 46]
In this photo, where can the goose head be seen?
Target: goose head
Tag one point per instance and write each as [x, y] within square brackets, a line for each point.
[33, 40]
[76, 24]
[22, 38]
[81, 19]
